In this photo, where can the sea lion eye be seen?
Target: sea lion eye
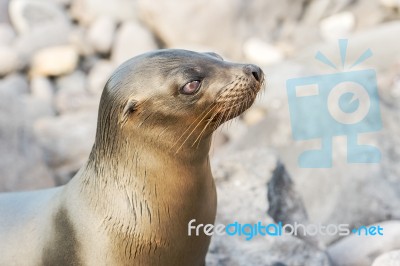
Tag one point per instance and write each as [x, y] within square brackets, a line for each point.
[191, 87]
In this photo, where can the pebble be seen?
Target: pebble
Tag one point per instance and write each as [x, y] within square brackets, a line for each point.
[54, 61]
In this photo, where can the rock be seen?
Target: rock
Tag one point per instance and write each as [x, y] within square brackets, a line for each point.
[48, 35]
[7, 34]
[42, 88]
[316, 11]
[390, 3]
[72, 94]
[132, 39]
[67, 141]
[86, 11]
[376, 14]
[332, 195]
[27, 15]
[14, 84]
[79, 39]
[36, 108]
[4, 11]
[382, 57]
[262, 53]
[338, 26]
[253, 116]
[54, 61]
[39, 24]
[10, 60]
[173, 23]
[99, 75]
[241, 181]
[65, 3]
[285, 204]
[101, 34]
[359, 250]
[21, 160]
[391, 258]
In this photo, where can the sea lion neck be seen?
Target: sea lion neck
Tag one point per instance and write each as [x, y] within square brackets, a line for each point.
[133, 158]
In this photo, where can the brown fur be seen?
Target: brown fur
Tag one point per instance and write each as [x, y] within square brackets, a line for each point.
[149, 172]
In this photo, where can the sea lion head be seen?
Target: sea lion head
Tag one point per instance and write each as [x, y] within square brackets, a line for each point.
[175, 97]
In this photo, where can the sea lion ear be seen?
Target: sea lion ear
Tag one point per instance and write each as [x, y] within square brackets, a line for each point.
[130, 107]
[215, 55]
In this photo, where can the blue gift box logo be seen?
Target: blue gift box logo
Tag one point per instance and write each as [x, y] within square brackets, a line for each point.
[340, 104]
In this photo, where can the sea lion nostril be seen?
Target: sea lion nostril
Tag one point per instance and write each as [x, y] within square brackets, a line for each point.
[256, 75]
[253, 70]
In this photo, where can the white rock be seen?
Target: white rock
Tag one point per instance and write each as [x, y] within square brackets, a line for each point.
[337, 26]
[99, 75]
[42, 88]
[132, 39]
[54, 61]
[391, 258]
[356, 250]
[253, 115]
[261, 52]
[101, 34]
[390, 3]
[10, 60]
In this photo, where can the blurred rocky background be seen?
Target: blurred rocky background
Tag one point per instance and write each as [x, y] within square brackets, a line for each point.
[56, 56]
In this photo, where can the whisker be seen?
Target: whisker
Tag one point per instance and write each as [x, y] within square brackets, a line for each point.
[195, 128]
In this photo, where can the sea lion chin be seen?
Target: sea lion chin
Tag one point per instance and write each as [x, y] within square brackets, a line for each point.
[147, 175]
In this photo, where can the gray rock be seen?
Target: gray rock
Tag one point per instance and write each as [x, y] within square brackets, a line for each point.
[338, 26]
[361, 41]
[285, 204]
[42, 88]
[14, 84]
[72, 94]
[101, 34]
[361, 250]
[86, 11]
[10, 60]
[54, 61]
[67, 141]
[4, 11]
[79, 39]
[39, 24]
[173, 22]
[36, 108]
[21, 160]
[38, 38]
[241, 181]
[98, 76]
[7, 34]
[27, 15]
[333, 195]
[132, 39]
[339, 194]
[391, 258]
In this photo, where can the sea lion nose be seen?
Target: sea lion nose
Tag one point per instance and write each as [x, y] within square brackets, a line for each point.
[255, 71]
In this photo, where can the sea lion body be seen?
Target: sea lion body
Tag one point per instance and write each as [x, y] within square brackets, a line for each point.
[148, 173]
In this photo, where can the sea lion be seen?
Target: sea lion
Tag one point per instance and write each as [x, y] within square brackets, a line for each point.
[147, 175]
